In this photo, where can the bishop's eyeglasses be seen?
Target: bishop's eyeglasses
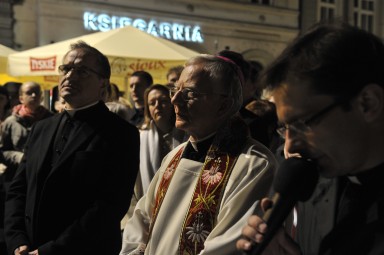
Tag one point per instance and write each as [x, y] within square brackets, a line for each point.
[188, 93]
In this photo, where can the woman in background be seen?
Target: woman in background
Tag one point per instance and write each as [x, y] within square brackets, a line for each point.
[158, 135]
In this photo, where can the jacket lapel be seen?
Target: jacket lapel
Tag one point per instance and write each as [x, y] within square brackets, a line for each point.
[85, 124]
[82, 133]
[46, 144]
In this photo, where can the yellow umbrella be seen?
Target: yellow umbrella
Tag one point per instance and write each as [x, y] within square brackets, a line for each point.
[128, 49]
[4, 77]
[4, 52]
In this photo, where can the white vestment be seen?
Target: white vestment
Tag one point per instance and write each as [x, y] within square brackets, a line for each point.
[249, 182]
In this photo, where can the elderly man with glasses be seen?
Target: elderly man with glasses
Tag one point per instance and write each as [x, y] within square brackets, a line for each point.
[328, 86]
[203, 191]
[74, 183]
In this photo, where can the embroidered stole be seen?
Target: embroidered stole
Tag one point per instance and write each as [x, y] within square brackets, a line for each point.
[202, 212]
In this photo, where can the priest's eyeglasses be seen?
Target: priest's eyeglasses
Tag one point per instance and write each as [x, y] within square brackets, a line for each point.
[304, 126]
[81, 71]
[189, 94]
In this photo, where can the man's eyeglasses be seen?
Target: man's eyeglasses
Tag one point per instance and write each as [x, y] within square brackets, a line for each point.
[188, 94]
[304, 126]
[81, 71]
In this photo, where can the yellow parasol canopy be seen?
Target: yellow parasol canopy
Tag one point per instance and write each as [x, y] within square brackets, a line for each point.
[128, 49]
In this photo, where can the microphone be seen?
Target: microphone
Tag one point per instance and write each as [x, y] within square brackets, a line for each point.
[295, 181]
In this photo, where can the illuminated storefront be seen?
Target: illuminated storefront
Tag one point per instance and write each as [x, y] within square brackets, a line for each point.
[259, 32]
[168, 30]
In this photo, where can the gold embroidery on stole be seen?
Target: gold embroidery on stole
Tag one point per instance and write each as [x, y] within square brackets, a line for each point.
[202, 212]
[163, 187]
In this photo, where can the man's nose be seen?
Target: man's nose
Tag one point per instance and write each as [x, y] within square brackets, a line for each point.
[177, 98]
[71, 74]
[294, 143]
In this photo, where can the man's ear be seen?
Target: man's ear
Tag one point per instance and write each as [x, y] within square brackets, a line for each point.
[103, 89]
[371, 102]
[104, 83]
[225, 106]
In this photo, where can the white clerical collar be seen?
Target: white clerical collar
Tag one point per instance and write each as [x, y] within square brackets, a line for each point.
[72, 112]
[354, 179]
[194, 143]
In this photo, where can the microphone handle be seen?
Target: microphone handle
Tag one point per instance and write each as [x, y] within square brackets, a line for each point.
[274, 218]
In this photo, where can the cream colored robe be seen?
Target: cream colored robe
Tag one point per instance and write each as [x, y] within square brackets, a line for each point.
[150, 158]
[249, 181]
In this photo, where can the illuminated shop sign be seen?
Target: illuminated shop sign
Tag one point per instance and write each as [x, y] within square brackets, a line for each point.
[172, 31]
[42, 64]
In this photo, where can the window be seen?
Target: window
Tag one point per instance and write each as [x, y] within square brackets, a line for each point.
[265, 2]
[367, 5]
[363, 14]
[327, 9]
[261, 2]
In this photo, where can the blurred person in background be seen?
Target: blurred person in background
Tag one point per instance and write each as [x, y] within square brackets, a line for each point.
[260, 115]
[158, 135]
[117, 104]
[15, 129]
[13, 92]
[138, 83]
[4, 113]
[173, 74]
[5, 106]
[59, 105]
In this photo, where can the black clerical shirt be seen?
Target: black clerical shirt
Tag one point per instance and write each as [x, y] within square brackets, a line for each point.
[201, 152]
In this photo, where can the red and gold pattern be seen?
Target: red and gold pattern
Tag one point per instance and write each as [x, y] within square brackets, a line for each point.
[163, 187]
[202, 212]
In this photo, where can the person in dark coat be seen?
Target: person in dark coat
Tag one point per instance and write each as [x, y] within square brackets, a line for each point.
[77, 175]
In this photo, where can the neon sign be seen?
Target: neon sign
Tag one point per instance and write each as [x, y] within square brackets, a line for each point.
[172, 31]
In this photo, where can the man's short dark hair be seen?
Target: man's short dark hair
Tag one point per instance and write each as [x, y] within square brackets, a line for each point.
[336, 59]
[147, 77]
[103, 63]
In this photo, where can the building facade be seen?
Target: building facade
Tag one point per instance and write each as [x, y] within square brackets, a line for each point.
[259, 29]
[366, 14]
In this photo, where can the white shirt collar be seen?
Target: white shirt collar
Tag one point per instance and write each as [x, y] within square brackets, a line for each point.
[72, 112]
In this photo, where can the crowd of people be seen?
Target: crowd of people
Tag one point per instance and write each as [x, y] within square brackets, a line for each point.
[188, 167]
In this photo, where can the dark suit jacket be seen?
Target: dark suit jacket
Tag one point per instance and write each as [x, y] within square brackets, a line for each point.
[359, 227]
[74, 206]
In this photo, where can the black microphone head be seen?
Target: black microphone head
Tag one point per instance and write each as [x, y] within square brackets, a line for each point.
[296, 178]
